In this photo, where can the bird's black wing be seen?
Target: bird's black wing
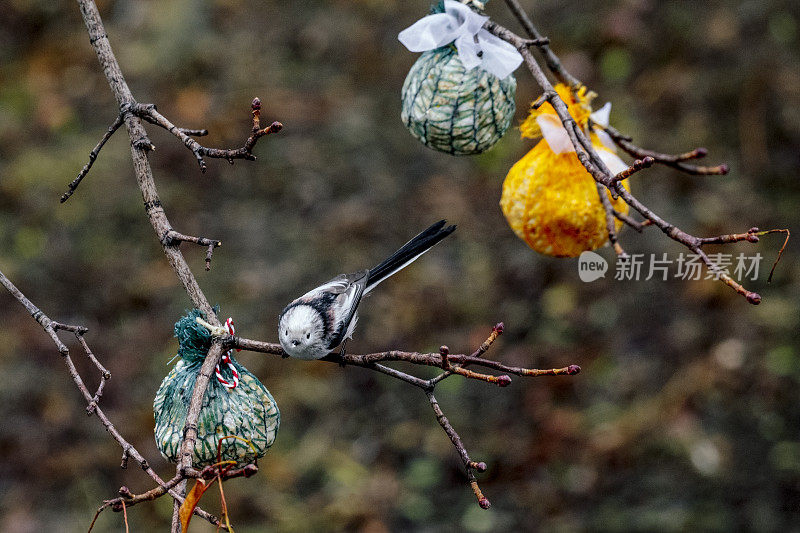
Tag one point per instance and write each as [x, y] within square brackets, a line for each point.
[349, 289]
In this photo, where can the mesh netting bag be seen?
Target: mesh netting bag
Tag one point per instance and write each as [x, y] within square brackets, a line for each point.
[453, 109]
[236, 404]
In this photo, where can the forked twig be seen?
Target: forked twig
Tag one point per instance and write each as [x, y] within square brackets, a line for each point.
[149, 113]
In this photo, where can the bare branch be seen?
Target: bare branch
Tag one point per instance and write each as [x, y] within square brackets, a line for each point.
[172, 238]
[536, 42]
[155, 212]
[149, 113]
[552, 61]
[611, 223]
[469, 464]
[638, 226]
[583, 147]
[417, 358]
[674, 161]
[92, 156]
[780, 252]
[639, 164]
[450, 363]
[158, 219]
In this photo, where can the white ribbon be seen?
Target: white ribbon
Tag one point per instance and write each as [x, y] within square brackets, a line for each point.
[600, 117]
[558, 138]
[464, 27]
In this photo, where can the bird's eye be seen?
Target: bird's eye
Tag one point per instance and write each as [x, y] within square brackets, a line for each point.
[308, 335]
[286, 332]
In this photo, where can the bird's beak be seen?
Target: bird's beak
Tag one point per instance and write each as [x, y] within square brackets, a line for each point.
[295, 342]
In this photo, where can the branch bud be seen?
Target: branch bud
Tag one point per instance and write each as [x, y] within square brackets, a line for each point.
[753, 297]
[480, 467]
[444, 351]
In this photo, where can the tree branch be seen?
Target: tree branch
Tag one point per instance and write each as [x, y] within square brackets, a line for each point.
[173, 237]
[450, 363]
[638, 226]
[552, 61]
[469, 465]
[158, 219]
[92, 156]
[149, 113]
[674, 161]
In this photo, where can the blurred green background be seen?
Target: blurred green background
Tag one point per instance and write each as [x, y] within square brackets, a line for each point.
[686, 414]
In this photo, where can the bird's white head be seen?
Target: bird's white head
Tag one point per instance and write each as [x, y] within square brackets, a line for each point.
[301, 331]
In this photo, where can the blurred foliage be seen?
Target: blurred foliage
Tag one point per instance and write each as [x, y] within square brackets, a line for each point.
[685, 417]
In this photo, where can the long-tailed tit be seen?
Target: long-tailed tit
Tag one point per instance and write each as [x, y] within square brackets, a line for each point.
[314, 324]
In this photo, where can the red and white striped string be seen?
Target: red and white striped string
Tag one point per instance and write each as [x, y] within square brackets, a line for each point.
[226, 359]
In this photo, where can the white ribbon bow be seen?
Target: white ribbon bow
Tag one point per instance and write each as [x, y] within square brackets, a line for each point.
[558, 138]
[476, 46]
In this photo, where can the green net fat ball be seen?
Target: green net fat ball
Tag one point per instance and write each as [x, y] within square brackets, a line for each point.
[458, 97]
[453, 110]
[247, 410]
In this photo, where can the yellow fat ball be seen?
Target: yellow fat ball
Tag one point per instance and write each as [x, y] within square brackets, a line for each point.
[551, 202]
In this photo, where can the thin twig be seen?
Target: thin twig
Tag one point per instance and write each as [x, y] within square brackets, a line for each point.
[212, 471]
[193, 133]
[552, 61]
[674, 161]
[583, 147]
[752, 235]
[611, 223]
[469, 465]
[125, 516]
[92, 156]
[417, 358]
[780, 252]
[638, 226]
[172, 238]
[638, 165]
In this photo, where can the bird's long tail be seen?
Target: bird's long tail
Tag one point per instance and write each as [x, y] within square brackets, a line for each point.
[408, 253]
